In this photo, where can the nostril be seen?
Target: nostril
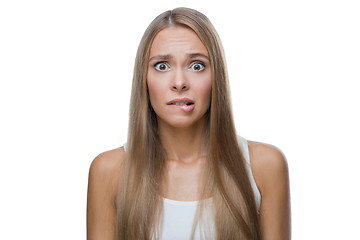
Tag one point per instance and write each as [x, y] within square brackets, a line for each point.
[182, 87]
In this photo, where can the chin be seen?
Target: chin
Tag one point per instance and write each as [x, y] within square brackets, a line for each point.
[180, 122]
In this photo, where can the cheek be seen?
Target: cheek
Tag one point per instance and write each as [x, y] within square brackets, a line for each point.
[204, 89]
[152, 93]
[155, 90]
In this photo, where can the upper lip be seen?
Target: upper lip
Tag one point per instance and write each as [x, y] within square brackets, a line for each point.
[179, 100]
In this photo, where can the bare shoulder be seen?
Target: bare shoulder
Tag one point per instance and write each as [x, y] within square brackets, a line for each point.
[270, 170]
[108, 162]
[105, 169]
[268, 164]
[266, 153]
[102, 189]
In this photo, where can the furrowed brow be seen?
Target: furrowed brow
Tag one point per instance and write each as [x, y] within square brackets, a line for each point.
[195, 55]
[161, 57]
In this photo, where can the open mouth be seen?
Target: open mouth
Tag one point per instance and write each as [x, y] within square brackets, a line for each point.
[186, 104]
[182, 103]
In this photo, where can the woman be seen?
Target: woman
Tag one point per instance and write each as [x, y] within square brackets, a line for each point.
[184, 173]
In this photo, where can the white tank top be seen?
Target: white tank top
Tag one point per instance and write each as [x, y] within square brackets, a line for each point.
[179, 215]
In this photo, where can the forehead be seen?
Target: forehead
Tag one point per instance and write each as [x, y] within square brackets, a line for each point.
[176, 38]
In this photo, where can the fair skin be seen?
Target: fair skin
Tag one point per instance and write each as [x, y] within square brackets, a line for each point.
[178, 72]
[179, 68]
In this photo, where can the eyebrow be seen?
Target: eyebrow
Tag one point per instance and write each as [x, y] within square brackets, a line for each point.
[161, 57]
[169, 56]
[195, 55]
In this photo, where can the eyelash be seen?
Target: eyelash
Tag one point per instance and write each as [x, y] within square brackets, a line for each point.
[198, 63]
[156, 66]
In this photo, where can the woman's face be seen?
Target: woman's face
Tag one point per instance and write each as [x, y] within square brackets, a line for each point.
[179, 77]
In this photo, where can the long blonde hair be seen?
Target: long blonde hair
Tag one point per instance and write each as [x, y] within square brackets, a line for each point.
[139, 205]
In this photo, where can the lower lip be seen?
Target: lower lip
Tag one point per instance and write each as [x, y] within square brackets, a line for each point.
[186, 108]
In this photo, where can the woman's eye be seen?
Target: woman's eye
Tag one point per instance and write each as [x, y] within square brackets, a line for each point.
[197, 66]
[161, 66]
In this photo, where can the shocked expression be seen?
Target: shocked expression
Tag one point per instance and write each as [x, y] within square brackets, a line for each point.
[179, 77]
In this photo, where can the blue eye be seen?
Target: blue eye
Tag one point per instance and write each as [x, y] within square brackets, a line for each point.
[161, 66]
[197, 66]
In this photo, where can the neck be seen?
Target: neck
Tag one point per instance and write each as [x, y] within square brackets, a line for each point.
[184, 144]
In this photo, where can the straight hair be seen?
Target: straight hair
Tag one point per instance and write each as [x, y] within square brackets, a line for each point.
[139, 204]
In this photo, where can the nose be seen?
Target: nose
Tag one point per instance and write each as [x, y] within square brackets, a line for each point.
[180, 82]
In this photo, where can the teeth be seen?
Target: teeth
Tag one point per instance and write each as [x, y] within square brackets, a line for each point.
[180, 103]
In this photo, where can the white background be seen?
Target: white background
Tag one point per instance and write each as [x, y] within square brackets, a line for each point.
[66, 69]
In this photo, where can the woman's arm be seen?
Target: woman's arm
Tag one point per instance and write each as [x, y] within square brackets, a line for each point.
[271, 174]
[102, 189]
